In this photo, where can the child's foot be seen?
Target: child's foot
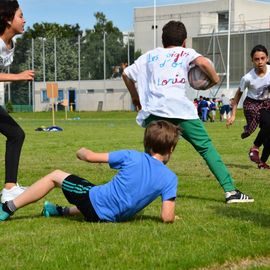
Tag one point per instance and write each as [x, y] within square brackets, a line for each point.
[263, 166]
[254, 155]
[237, 196]
[51, 210]
[11, 194]
[3, 214]
[244, 135]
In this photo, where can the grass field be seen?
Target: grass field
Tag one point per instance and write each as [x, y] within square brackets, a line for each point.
[208, 234]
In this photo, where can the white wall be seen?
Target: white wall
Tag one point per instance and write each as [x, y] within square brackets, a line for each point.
[2, 94]
[113, 95]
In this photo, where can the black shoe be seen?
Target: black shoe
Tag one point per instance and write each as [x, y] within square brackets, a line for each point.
[239, 197]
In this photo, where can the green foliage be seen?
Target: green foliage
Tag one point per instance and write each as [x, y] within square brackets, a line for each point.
[66, 41]
[9, 107]
[208, 234]
[51, 30]
[93, 49]
[137, 54]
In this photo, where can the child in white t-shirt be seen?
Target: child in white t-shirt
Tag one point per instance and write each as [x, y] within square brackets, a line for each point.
[256, 105]
[161, 77]
[11, 24]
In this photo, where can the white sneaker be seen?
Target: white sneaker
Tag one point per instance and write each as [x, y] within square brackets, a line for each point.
[11, 194]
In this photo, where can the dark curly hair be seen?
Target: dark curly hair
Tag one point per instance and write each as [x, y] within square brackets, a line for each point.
[8, 9]
[258, 48]
[174, 33]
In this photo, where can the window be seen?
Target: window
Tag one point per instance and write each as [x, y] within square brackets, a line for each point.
[109, 90]
[44, 97]
[90, 91]
[223, 21]
[60, 95]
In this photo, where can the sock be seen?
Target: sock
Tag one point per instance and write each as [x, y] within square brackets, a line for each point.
[63, 211]
[229, 193]
[9, 207]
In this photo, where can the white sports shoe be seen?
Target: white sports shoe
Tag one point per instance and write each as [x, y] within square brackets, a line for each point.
[11, 194]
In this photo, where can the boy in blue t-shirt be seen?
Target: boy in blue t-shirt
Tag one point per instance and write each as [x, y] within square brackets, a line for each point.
[142, 177]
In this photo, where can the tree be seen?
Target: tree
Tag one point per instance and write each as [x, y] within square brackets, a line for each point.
[67, 55]
[93, 49]
[92, 53]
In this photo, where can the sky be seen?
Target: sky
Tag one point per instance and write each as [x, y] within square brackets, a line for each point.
[120, 12]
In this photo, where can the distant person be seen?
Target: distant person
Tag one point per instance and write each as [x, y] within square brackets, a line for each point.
[213, 109]
[161, 77]
[225, 107]
[142, 177]
[11, 24]
[256, 105]
[203, 108]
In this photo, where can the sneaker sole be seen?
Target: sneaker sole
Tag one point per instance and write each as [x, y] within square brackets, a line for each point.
[240, 201]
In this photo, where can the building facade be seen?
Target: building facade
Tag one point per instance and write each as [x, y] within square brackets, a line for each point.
[99, 95]
[200, 18]
[207, 24]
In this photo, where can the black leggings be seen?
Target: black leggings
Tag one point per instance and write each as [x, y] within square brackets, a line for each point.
[263, 137]
[15, 137]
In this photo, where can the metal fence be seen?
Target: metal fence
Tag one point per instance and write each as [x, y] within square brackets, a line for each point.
[102, 58]
[66, 59]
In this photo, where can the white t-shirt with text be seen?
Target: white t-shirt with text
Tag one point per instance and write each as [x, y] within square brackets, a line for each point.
[161, 77]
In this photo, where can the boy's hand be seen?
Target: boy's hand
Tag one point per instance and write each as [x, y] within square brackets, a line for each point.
[136, 103]
[230, 121]
[27, 75]
[90, 156]
[82, 153]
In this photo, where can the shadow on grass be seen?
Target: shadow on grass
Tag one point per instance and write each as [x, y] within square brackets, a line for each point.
[145, 217]
[81, 219]
[261, 219]
[240, 166]
[199, 198]
[37, 216]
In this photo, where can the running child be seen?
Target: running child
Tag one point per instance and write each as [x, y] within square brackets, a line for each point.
[256, 105]
[160, 93]
[11, 24]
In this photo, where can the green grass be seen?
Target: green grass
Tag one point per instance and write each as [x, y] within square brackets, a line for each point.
[208, 235]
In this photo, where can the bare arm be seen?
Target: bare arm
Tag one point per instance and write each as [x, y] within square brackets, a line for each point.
[207, 68]
[27, 75]
[236, 99]
[92, 157]
[133, 91]
[167, 211]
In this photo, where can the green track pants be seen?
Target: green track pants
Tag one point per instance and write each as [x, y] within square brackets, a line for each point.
[194, 132]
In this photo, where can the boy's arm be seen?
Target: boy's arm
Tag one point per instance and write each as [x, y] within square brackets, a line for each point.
[93, 157]
[27, 75]
[236, 99]
[167, 211]
[207, 68]
[133, 92]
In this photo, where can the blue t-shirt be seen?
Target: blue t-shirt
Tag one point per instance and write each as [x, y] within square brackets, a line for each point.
[140, 180]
